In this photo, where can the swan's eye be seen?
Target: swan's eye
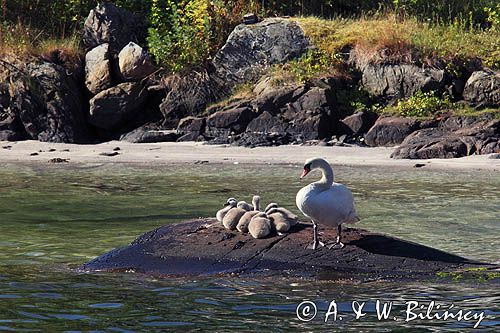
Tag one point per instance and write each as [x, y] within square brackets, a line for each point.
[307, 167]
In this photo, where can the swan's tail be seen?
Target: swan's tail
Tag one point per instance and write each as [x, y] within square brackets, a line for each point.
[353, 217]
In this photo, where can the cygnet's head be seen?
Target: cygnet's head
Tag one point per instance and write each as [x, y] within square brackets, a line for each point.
[231, 202]
[312, 163]
[270, 206]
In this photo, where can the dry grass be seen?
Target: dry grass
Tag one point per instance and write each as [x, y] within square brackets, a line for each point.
[23, 42]
[386, 39]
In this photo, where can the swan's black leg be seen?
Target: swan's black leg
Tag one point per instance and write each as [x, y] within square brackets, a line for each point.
[338, 244]
[315, 242]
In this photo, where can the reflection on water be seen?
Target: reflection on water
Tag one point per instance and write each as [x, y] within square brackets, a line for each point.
[55, 219]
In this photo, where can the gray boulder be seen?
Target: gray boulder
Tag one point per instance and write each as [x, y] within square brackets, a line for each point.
[114, 107]
[477, 136]
[229, 122]
[135, 63]
[359, 123]
[250, 48]
[191, 128]
[107, 23]
[147, 134]
[401, 80]
[390, 131]
[483, 88]
[98, 69]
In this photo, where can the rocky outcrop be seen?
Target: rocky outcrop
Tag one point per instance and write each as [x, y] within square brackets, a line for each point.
[390, 131]
[483, 89]
[397, 81]
[224, 124]
[250, 48]
[134, 62]
[191, 129]
[98, 69]
[453, 137]
[44, 103]
[112, 108]
[204, 247]
[116, 26]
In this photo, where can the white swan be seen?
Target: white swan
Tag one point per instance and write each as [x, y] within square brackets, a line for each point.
[325, 202]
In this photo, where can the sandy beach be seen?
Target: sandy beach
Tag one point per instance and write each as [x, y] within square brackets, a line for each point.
[191, 152]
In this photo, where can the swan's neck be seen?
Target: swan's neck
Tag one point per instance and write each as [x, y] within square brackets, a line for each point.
[327, 174]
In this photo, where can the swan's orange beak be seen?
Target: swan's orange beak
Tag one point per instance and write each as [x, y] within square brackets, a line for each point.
[304, 173]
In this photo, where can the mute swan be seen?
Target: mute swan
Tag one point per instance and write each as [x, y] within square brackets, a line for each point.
[232, 217]
[245, 219]
[230, 203]
[325, 202]
[259, 226]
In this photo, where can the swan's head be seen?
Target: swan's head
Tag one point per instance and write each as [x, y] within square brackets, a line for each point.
[256, 202]
[312, 164]
[231, 202]
[271, 206]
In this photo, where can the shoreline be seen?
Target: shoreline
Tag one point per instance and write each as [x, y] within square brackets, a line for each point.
[163, 153]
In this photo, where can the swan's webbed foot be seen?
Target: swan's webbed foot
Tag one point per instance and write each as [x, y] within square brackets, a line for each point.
[314, 245]
[335, 245]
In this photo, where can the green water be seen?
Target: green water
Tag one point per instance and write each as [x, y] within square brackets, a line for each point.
[53, 219]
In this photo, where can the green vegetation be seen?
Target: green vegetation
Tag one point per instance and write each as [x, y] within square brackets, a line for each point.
[421, 104]
[480, 274]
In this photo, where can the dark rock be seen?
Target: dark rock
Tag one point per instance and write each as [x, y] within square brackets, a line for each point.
[266, 123]
[188, 95]
[475, 136]
[400, 81]
[230, 121]
[134, 62]
[98, 69]
[311, 125]
[58, 160]
[390, 131]
[359, 123]
[112, 108]
[110, 154]
[483, 88]
[50, 106]
[314, 99]
[250, 18]
[250, 48]
[34, 154]
[419, 165]
[107, 23]
[202, 247]
[191, 125]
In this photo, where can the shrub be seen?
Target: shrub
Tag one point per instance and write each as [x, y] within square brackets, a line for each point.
[422, 105]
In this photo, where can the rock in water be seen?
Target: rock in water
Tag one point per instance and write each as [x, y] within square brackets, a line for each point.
[98, 69]
[135, 63]
[483, 88]
[201, 247]
[249, 48]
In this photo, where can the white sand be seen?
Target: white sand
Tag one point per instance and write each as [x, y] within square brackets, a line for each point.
[190, 152]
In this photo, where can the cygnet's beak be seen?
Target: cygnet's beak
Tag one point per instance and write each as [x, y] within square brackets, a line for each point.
[304, 173]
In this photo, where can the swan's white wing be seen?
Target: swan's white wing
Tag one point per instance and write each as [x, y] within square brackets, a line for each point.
[333, 206]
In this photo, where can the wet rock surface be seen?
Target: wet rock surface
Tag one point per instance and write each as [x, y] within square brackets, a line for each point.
[205, 247]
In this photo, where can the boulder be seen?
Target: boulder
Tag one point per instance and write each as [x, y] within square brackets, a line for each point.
[265, 130]
[107, 23]
[230, 121]
[400, 80]
[135, 63]
[98, 69]
[204, 247]
[250, 48]
[147, 134]
[311, 125]
[483, 88]
[191, 125]
[114, 107]
[359, 123]
[50, 105]
[189, 95]
[390, 131]
[11, 128]
[476, 136]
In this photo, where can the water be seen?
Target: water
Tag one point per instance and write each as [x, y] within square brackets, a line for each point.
[53, 219]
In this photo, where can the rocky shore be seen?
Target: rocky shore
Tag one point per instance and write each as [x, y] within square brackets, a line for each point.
[118, 94]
